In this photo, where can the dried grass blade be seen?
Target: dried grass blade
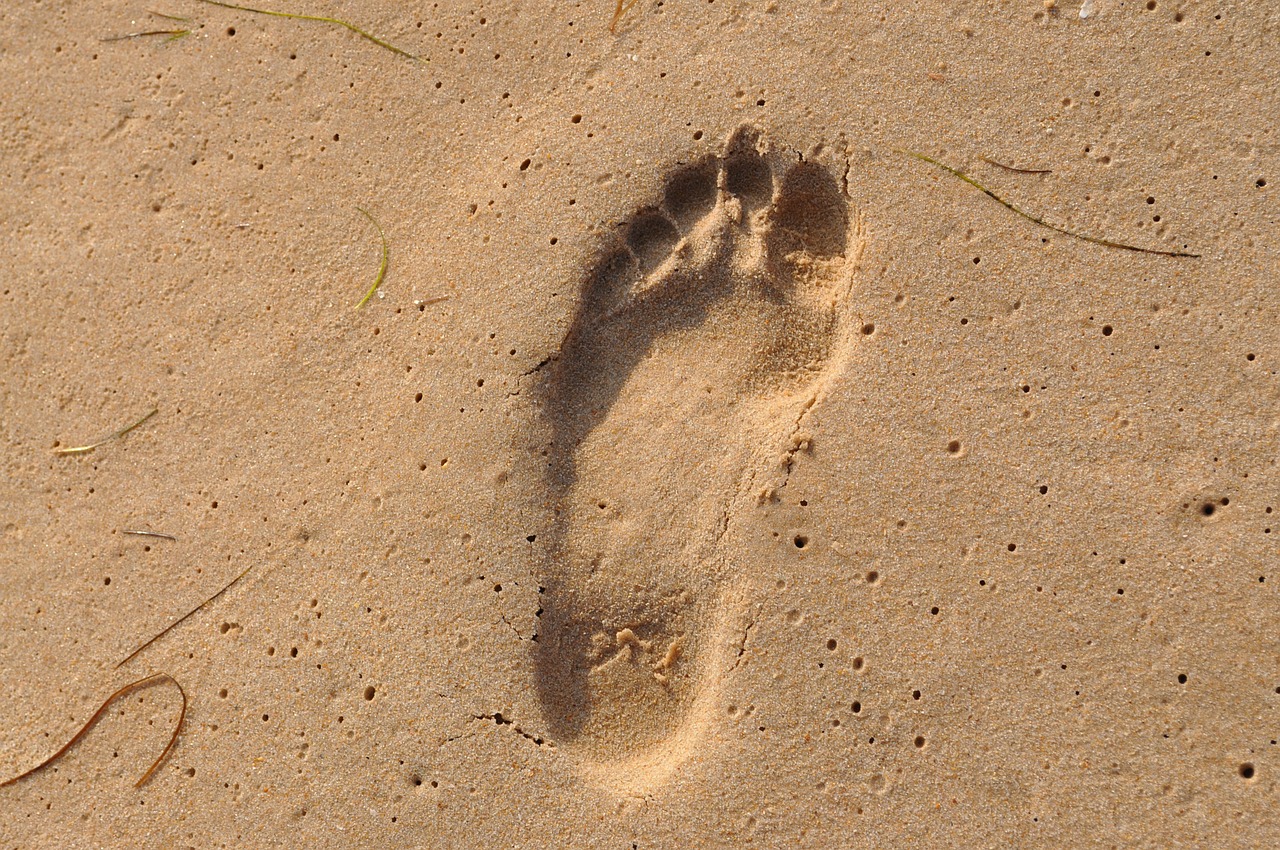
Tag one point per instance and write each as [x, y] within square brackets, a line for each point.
[991, 161]
[178, 621]
[174, 35]
[117, 435]
[161, 535]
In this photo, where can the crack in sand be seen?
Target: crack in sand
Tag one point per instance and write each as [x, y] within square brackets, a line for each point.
[742, 645]
[499, 720]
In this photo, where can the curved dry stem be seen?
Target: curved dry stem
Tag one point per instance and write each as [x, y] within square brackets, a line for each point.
[154, 678]
[619, 11]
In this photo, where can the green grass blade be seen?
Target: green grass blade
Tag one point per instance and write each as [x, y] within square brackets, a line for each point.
[318, 18]
[1029, 217]
[382, 270]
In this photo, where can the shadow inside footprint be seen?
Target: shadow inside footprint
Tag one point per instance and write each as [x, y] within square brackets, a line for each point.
[746, 174]
[705, 310]
[811, 214]
[691, 193]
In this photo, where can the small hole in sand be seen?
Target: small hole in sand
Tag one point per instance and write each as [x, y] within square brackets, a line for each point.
[953, 447]
[370, 692]
[1247, 771]
[919, 742]
[801, 541]
[831, 644]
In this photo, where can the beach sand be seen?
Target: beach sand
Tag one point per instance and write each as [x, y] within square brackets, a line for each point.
[707, 470]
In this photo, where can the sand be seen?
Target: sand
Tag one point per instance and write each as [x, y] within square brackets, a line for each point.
[706, 472]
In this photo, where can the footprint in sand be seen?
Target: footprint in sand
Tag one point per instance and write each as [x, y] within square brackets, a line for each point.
[676, 403]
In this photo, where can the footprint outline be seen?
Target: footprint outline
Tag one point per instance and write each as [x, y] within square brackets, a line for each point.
[755, 228]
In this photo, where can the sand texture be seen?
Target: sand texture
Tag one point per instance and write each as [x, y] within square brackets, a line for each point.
[708, 469]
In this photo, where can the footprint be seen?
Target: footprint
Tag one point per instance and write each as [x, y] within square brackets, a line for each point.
[675, 403]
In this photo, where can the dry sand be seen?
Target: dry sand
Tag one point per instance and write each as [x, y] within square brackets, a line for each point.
[706, 471]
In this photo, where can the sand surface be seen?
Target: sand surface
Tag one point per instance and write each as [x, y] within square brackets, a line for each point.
[706, 472]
